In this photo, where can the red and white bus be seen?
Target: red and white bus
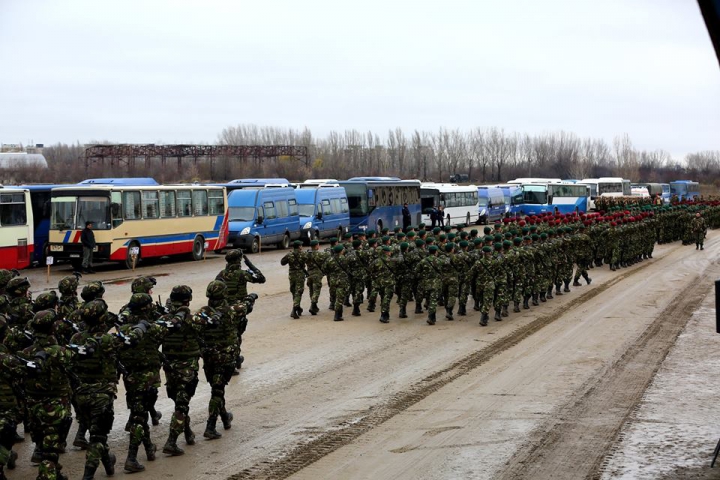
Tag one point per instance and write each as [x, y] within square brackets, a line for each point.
[16, 228]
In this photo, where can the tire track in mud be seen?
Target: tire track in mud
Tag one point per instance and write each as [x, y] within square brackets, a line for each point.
[576, 442]
[341, 434]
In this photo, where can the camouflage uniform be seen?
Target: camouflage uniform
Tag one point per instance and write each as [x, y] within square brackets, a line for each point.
[383, 275]
[698, 227]
[430, 286]
[297, 274]
[338, 279]
[485, 270]
[404, 278]
[314, 260]
[451, 285]
[11, 371]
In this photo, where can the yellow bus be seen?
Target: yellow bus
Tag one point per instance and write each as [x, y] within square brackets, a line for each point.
[144, 220]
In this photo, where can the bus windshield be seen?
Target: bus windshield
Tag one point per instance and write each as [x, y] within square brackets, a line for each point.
[607, 188]
[535, 194]
[241, 214]
[357, 199]
[306, 209]
[517, 198]
[71, 213]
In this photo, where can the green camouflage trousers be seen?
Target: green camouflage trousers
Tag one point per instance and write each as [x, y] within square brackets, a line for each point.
[218, 375]
[385, 289]
[96, 404]
[49, 418]
[430, 293]
[7, 436]
[141, 390]
[314, 284]
[485, 292]
[405, 290]
[502, 295]
[297, 287]
[182, 380]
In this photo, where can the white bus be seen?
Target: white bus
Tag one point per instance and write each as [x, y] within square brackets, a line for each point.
[16, 228]
[606, 187]
[542, 181]
[145, 221]
[460, 203]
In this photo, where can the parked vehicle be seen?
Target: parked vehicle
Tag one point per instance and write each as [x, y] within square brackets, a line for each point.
[16, 228]
[685, 189]
[261, 216]
[378, 202]
[460, 203]
[491, 204]
[324, 211]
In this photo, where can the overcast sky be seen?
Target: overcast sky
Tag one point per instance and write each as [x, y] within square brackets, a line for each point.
[180, 71]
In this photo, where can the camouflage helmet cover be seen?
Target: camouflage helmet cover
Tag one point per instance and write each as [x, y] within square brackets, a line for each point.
[93, 310]
[68, 285]
[138, 301]
[234, 256]
[6, 276]
[181, 293]
[45, 301]
[92, 290]
[143, 284]
[17, 286]
[216, 290]
[43, 321]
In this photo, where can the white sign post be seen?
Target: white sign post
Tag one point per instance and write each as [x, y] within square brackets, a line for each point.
[134, 252]
[205, 249]
[48, 261]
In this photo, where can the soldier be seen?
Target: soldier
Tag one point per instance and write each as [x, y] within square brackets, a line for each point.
[69, 301]
[141, 378]
[297, 274]
[95, 369]
[357, 262]
[181, 347]
[47, 390]
[485, 270]
[338, 279]
[404, 278]
[11, 370]
[314, 259]
[430, 284]
[698, 227]
[219, 351]
[5, 277]
[383, 273]
[449, 268]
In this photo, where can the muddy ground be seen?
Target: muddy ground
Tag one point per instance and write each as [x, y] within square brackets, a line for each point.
[583, 386]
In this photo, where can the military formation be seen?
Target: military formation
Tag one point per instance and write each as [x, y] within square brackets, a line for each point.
[512, 265]
[67, 353]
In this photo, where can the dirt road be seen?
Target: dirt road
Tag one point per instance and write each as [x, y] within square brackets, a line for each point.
[542, 394]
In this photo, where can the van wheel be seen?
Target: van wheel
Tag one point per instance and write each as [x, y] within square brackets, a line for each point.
[128, 257]
[255, 246]
[198, 251]
[284, 243]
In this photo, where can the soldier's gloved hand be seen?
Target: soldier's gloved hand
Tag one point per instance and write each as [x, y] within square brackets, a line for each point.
[41, 355]
[142, 326]
[215, 319]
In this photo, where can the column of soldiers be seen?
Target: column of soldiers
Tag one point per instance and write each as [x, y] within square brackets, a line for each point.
[517, 263]
[67, 353]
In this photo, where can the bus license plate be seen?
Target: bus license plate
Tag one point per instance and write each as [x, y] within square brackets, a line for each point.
[74, 255]
[56, 248]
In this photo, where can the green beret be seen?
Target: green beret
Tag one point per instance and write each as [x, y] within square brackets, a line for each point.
[442, 237]
[508, 235]
[526, 238]
[297, 244]
[419, 243]
[447, 228]
[421, 226]
[411, 234]
[372, 241]
[477, 241]
[488, 238]
[451, 236]
[497, 237]
[338, 248]
[385, 230]
[371, 232]
[404, 246]
[533, 228]
[430, 240]
[432, 248]
[361, 234]
[436, 230]
[487, 249]
[356, 243]
[385, 248]
[487, 230]
[314, 242]
[385, 239]
[333, 240]
[347, 236]
[463, 234]
[463, 243]
[498, 246]
[535, 237]
[525, 230]
[397, 229]
[543, 236]
[474, 232]
[400, 235]
[507, 244]
[449, 247]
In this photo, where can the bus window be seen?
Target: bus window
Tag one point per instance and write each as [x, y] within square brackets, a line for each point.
[96, 210]
[116, 209]
[200, 202]
[269, 208]
[167, 204]
[293, 208]
[12, 209]
[131, 205]
[215, 200]
[62, 213]
[184, 203]
[150, 204]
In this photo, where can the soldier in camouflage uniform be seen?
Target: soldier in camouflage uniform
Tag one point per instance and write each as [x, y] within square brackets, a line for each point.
[297, 275]
[19, 311]
[69, 301]
[430, 286]
[95, 369]
[47, 390]
[485, 270]
[338, 279]
[141, 377]
[314, 260]
[583, 255]
[219, 351]
[698, 227]
[383, 274]
[404, 277]
[357, 262]
[449, 266]
[181, 347]
[502, 297]
[11, 371]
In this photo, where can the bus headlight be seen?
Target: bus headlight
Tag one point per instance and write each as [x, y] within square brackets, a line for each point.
[245, 231]
[307, 226]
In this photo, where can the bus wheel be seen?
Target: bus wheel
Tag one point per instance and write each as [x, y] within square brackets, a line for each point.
[198, 251]
[128, 257]
[255, 246]
[284, 243]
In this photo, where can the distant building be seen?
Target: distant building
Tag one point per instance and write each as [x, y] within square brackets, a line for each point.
[20, 160]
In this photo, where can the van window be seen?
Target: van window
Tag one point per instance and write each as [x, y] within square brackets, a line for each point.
[184, 203]
[150, 204]
[167, 204]
[282, 208]
[344, 205]
[327, 209]
[269, 210]
[216, 202]
[131, 205]
[335, 205]
[200, 202]
[294, 208]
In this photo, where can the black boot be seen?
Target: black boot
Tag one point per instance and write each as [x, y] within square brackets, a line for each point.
[36, 456]
[108, 460]
[484, 319]
[461, 310]
[210, 432]
[504, 311]
[498, 317]
[332, 304]
[155, 416]
[557, 289]
[567, 286]
[314, 308]
[535, 299]
[384, 317]
[189, 434]
[131, 463]
[418, 308]
[431, 319]
[476, 307]
[702, 247]
[516, 306]
[227, 419]
[80, 440]
[403, 313]
[338, 315]
[88, 475]
[347, 302]
[11, 460]
[371, 306]
[587, 278]
[542, 297]
[548, 294]
[576, 283]
[526, 299]
[356, 310]
[294, 313]
[150, 449]
[171, 447]
[612, 267]
[449, 313]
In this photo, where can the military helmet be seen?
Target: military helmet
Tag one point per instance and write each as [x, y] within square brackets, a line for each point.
[93, 310]
[181, 293]
[17, 286]
[143, 284]
[234, 256]
[216, 290]
[43, 321]
[68, 285]
[6, 276]
[92, 290]
[139, 301]
[45, 301]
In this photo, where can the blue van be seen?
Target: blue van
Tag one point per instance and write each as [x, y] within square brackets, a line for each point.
[265, 215]
[491, 204]
[324, 211]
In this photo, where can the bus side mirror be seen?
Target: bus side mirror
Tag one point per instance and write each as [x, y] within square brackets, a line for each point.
[115, 209]
[260, 219]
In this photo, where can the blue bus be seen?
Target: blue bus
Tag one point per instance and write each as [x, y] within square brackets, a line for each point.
[324, 211]
[555, 197]
[685, 189]
[491, 204]
[262, 215]
[377, 203]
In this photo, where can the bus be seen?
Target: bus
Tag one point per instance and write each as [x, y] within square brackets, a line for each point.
[543, 181]
[563, 198]
[606, 187]
[685, 189]
[375, 204]
[148, 221]
[460, 203]
[656, 189]
[16, 228]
